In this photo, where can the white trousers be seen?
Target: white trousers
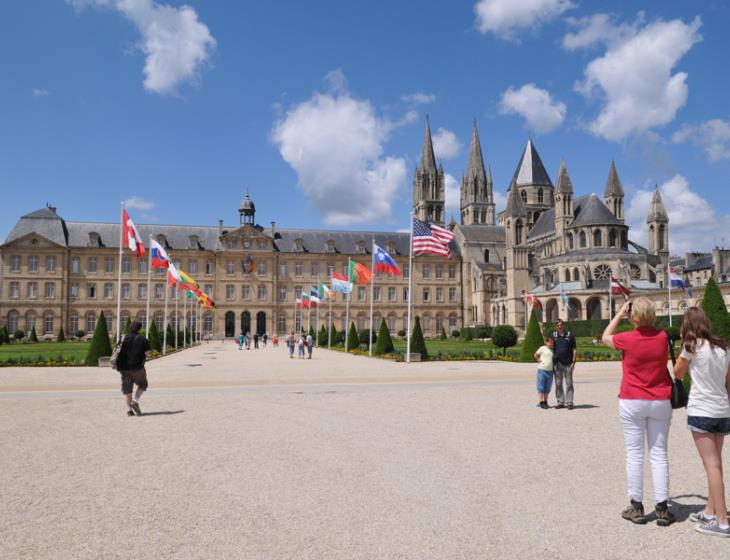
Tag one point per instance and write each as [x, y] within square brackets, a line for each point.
[646, 420]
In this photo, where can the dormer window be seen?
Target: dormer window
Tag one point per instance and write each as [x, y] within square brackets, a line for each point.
[298, 245]
[162, 240]
[231, 244]
[390, 247]
[361, 248]
[329, 246]
[94, 239]
[193, 242]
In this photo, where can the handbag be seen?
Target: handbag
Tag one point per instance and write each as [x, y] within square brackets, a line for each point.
[679, 394]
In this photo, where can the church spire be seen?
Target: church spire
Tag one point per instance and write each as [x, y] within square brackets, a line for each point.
[428, 159]
[477, 206]
[613, 183]
[475, 167]
[657, 212]
[429, 199]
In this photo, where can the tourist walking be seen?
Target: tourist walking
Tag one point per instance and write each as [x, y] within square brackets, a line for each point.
[264, 337]
[707, 359]
[310, 345]
[290, 340]
[564, 355]
[247, 341]
[241, 338]
[131, 361]
[645, 408]
[255, 341]
[300, 344]
[544, 357]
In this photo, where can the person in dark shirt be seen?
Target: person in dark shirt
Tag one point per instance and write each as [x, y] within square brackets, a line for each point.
[133, 355]
[563, 365]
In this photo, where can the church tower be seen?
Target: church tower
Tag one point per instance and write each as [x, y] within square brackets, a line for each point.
[613, 195]
[533, 184]
[429, 198]
[563, 209]
[515, 222]
[477, 202]
[658, 223]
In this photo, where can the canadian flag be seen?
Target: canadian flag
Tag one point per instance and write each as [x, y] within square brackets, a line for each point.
[130, 236]
[617, 288]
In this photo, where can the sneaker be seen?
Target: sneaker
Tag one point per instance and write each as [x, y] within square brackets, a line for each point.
[664, 517]
[635, 513]
[700, 517]
[544, 405]
[712, 528]
[136, 409]
[130, 412]
[560, 405]
[570, 406]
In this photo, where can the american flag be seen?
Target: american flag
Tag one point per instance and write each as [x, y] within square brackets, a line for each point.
[428, 238]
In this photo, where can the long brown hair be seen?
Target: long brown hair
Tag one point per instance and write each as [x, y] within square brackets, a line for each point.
[696, 327]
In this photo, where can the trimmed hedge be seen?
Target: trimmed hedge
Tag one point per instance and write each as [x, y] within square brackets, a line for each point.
[353, 343]
[504, 336]
[533, 339]
[418, 344]
[100, 345]
[385, 343]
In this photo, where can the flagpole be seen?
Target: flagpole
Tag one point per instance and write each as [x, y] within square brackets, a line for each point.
[177, 317]
[610, 300]
[316, 320]
[329, 326]
[347, 308]
[149, 279]
[410, 295]
[294, 322]
[164, 324]
[119, 274]
[669, 286]
[372, 295]
[185, 319]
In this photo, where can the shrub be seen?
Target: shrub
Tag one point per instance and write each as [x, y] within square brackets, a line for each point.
[353, 342]
[99, 343]
[335, 336]
[672, 333]
[2, 335]
[402, 333]
[311, 332]
[504, 336]
[169, 335]
[154, 337]
[322, 336]
[19, 334]
[443, 334]
[80, 334]
[467, 334]
[33, 336]
[714, 306]
[533, 339]
[482, 332]
[385, 343]
[6, 335]
[624, 328]
[456, 333]
[364, 336]
[418, 344]
[61, 337]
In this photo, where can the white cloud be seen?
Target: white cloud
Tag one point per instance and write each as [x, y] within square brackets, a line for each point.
[175, 42]
[138, 203]
[693, 222]
[535, 105]
[452, 191]
[712, 136]
[419, 98]
[335, 144]
[500, 202]
[504, 18]
[39, 92]
[634, 77]
[335, 81]
[445, 144]
[599, 29]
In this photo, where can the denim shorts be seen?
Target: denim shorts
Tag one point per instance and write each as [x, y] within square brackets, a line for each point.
[705, 425]
[544, 381]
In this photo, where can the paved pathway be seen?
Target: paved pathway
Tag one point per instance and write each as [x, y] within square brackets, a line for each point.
[253, 455]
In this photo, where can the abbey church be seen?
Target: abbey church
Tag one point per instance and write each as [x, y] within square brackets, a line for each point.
[550, 243]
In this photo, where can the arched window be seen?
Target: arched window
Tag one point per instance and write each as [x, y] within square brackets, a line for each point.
[583, 241]
[91, 322]
[392, 322]
[523, 194]
[660, 237]
[570, 241]
[518, 232]
[567, 275]
[486, 255]
[597, 238]
[576, 275]
[612, 238]
[539, 196]
[48, 323]
[13, 322]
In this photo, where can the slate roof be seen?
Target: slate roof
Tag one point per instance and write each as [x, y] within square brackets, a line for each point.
[482, 233]
[44, 222]
[590, 210]
[515, 206]
[346, 242]
[530, 170]
[613, 183]
[704, 262]
[544, 225]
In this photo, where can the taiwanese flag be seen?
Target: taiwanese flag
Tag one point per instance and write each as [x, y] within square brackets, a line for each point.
[130, 236]
[159, 256]
[385, 263]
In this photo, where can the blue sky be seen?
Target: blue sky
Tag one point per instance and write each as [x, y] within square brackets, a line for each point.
[317, 108]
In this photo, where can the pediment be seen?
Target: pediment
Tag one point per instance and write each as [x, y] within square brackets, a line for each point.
[246, 238]
[33, 241]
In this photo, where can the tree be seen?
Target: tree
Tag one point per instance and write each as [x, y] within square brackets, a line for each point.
[127, 326]
[99, 343]
[504, 336]
[79, 334]
[352, 340]
[533, 339]
[170, 335]
[61, 336]
[18, 334]
[443, 334]
[714, 306]
[33, 336]
[385, 343]
[311, 332]
[2, 335]
[154, 337]
[6, 335]
[418, 344]
[322, 336]
[364, 336]
[468, 334]
[334, 335]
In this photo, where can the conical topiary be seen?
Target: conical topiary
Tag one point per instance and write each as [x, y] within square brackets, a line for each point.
[154, 337]
[99, 343]
[170, 335]
[333, 334]
[33, 337]
[127, 326]
[61, 336]
[2, 335]
[443, 334]
[714, 306]
[311, 331]
[352, 339]
[322, 336]
[385, 343]
[418, 344]
[533, 339]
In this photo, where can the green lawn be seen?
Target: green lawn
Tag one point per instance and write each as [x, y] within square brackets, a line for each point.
[67, 351]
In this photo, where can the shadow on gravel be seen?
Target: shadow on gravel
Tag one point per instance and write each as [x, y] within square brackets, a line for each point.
[682, 511]
[584, 406]
[163, 413]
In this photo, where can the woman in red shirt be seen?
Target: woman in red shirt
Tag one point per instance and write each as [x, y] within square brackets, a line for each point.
[644, 406]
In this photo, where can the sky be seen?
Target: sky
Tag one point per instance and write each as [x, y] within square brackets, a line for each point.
[317, 109]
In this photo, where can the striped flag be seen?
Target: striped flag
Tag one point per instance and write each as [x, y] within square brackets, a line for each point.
[314, 295]
[341, 283]
[159, 256]
[324, 291]
[130, 236]
[617, 288]
[428, 238]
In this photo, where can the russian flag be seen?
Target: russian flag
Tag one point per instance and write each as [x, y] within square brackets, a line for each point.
[385, 263]
[159, 256]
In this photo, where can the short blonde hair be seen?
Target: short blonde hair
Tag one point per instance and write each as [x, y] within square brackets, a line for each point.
[642, 312]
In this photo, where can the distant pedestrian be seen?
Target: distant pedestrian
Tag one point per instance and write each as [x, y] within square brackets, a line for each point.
[564, 355]
[290, 341]
[241, 338]
[131, 367]
[644, 406]
[255, 341]
[301, 341]
[544, 357]
[263, 339]
[275, 341]
[247, 341]
[310, 345]
[707, 359]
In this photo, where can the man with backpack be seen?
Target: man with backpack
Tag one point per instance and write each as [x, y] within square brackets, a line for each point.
[564, 355]
[130, 363]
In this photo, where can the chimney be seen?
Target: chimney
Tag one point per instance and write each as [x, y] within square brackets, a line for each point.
[273, 229]
[220, 228]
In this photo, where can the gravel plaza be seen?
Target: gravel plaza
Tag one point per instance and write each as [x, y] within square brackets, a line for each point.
[250, 454]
